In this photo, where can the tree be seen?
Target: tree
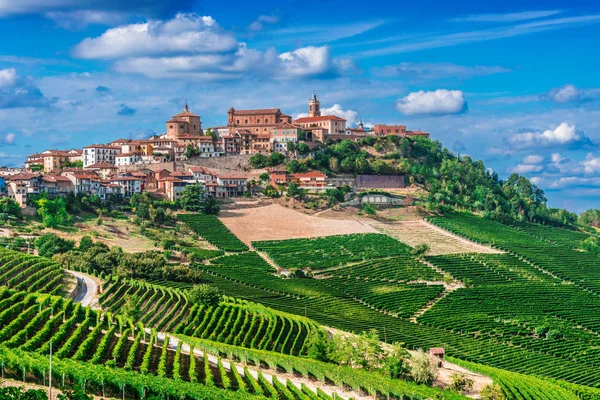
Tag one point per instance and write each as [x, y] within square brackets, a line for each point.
[53, 212]
[211, 133]
[396, 362]
[419, 251]
[264, 177]
[492, 392]
[192, 151]
[259, 161]
[422, 370]
[192, 198]
[270, 191]
[211, 206]
[10, 207]
[591, 245]
[358, 351]
[461, 383]
[302, 148]
[204, 295]
[291, 146]
[85, 243]
[50, 244]
[318, 346]
[294, 191]
[590, 217]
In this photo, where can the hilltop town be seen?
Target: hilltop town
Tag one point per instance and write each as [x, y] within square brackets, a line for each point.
[163, 164]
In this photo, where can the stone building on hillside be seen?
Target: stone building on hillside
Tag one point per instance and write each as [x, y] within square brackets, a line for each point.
[260, 121]
[184, 123]
[396, 130]
[320, 125]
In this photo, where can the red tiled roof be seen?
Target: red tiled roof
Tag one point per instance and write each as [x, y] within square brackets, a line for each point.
[309, 174]
[257, 111]
[317, 119]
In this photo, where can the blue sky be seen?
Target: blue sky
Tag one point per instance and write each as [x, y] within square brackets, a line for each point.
[513, 83]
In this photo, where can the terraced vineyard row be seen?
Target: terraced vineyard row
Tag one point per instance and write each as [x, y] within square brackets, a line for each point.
[574, 266]
[27, 272]
[553, 319]
[233, 322]
[213, 230]
[400, 299]
[331, 251]
[489, 269]
[564, 237]
[122, 360]
[397, 269]
[349, 315]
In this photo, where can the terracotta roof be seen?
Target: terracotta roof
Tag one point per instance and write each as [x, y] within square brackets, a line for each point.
[437, 350]
[126, 154]
[232, 177]
[285, 125]
[310, 174]
[321, 118]
[125, 178]
[186, 113]
[55, 178]
[256, 111]
[189, 136]
[170, 179]
[180, 173]
[23, 177]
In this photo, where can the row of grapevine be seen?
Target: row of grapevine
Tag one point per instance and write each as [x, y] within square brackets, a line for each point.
[331, 251]
[137, 364]
[213, 230]
[27, 272]
[345, 313]
[561, 260]
[167, 309]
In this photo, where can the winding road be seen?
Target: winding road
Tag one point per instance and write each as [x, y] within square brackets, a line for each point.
[86, 290]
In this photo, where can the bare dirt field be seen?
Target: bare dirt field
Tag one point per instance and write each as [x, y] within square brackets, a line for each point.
[275, 222]
[420, 232]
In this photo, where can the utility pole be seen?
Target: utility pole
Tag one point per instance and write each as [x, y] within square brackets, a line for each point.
[50, 375]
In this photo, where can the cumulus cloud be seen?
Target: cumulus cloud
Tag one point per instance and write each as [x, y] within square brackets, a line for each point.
[184, 34]
[18, 92]
[79, 19]
[350, 116]
[430, 71]
[571, 94]
[526, 168]
[193, 47]
[563, 134]
[439, 102]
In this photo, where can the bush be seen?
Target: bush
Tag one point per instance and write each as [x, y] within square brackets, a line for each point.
[460, 383]
[50, 244]
[422, 370]
[204, 294]
[492, 392]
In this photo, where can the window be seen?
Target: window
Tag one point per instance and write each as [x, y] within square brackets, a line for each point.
[266, 121]
[238, 121]
[246, 121]
[170, 126]
[258, 121]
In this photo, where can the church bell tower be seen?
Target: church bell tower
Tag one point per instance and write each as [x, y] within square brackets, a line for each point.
[314, 106]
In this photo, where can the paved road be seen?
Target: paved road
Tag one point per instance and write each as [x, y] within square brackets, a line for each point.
[85, 292]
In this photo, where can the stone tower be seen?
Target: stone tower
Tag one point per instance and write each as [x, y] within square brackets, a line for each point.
[314, 106]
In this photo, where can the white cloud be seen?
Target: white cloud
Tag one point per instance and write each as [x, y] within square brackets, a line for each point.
[533, 159]
[8, 77]
[262, 20]
[556, 157]
[350, 116]
[428, 71]
[591, 164]
[507, 17]
[526, 168]
[79, 19]
[184, 34]
[306, 61]
[439, 102]
[563, 134]
[571, 94]
[9, 138]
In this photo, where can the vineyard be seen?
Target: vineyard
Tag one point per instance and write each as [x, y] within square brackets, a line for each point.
[118, 359]
[232, 321]
[26, 272]
[560, 260]
[331, 251]
[213, 230]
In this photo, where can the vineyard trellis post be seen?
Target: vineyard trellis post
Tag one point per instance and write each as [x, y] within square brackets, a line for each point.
[50, 374]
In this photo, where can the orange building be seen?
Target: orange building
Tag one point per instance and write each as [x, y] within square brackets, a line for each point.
[259, 121]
